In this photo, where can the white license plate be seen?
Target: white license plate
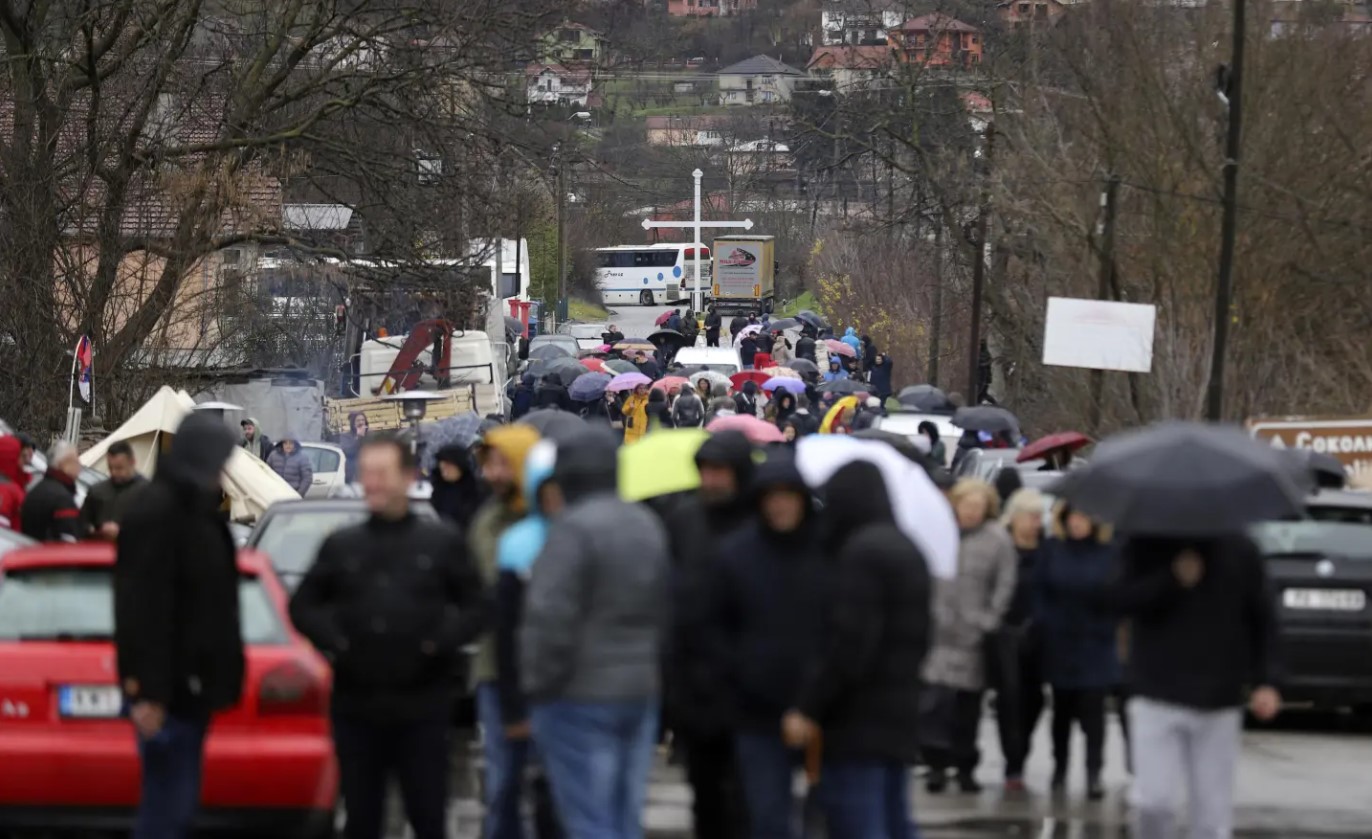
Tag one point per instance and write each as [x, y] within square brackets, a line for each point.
[1326, 599]
[89, 702]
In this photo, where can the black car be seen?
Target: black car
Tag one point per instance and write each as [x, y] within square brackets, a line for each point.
[1320, 571]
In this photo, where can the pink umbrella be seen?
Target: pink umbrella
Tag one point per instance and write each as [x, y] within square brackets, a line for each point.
[627, 381]
[757, 430]
[668, 383]
[840, 348]
[750, 329]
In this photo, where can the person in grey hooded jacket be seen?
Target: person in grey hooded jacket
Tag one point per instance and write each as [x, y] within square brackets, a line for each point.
[291, 464]
[590, 640]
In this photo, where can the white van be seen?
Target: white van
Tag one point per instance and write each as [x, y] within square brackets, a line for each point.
[724, 360]
[471, 362]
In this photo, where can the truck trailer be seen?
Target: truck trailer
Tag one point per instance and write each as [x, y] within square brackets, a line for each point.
[745, 274]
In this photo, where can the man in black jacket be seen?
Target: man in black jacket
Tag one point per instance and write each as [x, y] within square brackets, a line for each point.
[391, 602]
[696, 705]
[770, 592]
[1202, 631]
[712, 324]
[864, 690]
[176, 624]
[49, 512]
[107, 501]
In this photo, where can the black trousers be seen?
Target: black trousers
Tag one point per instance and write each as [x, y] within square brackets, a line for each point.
[712, 337]
[961, 752]
[1016, 668]
[415, 754]
[1086, 708]
[717, 804]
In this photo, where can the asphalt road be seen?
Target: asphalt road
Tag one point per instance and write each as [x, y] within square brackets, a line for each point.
[638, 321]
[1302, 779]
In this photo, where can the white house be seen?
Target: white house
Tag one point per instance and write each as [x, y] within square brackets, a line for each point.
[757, 80]
[554, 84]
[858, 22]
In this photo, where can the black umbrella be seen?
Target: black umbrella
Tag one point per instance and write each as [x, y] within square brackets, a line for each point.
[803, 365]
[1317, 470]
[549, 352]
[1184, 479]
[664, 338]
[925, 398]
[542, 367]
[987, 418]
[811, 319]
[514, 326]
[554, 424]
[565, 374]
[783, 325]
[844, 387]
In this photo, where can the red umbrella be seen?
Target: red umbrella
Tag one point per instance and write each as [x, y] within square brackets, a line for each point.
[1064, 441]
[663, 318]
[749, 376]
[595, 365]
[667, 383]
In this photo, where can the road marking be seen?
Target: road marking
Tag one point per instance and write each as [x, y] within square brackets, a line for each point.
[1050, 824]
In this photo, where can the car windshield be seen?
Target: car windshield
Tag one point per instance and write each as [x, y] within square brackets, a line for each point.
[292, 537]
[1323, 538]
[586, 330]
[77, 604]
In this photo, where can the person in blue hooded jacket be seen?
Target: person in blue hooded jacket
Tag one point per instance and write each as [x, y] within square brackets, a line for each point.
[516, 551]
[850, 337]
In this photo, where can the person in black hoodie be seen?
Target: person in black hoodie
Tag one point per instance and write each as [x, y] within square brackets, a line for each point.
[1202, 631]
[771, 595]
[712, 324]
[696, 703]
[747, 350]
[746, 402]
[805, 347]
[457, 492]
[176, 625]
[391, 603]
[863, 692]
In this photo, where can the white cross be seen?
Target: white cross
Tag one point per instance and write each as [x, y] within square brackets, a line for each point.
[696, 225]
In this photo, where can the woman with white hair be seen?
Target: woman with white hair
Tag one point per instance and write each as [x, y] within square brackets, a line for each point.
[1017, 663]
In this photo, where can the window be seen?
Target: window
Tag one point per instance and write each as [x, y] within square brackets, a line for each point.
[509, 286]
[1349, 538]
[292, 539]
[429, 167]
[321, 460]
[77, 604]
[637, 259]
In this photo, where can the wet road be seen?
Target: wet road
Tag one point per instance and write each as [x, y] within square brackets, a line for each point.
[1304, 779]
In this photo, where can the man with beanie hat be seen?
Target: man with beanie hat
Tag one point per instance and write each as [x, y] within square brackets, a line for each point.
[697, 708]
[767, 628]
[176, 635]
[590, 641]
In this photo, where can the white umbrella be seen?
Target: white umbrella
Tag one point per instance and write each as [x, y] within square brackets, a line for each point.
[750, 329]
[922, 512]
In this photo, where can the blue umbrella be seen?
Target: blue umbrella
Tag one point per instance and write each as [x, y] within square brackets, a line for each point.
[793, 386]
[590, 387]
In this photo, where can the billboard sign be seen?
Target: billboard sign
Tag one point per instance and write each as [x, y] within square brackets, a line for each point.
[1347, 439]
[1099, 335]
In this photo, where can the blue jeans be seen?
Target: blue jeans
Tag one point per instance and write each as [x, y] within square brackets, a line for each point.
[866, 800]
[171, 762]
[598, 756]
[766, 769]
[505, 764]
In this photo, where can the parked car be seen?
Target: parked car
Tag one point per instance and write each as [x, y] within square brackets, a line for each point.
[986, 464]
[907, 424]
[724, 360]
[588, 335]
[69, 762]
[329, 464]
[290, 532]
[567, 342]
[1320, 573]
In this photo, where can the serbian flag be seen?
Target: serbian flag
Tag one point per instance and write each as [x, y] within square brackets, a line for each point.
[85, 360]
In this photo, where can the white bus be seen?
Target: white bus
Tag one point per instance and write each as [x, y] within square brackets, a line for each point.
[649, 274]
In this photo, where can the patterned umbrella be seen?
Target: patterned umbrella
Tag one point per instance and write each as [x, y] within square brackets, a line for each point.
[715, 377]
[459, 430]
[595, 365]
[782, 372]
[755, 376]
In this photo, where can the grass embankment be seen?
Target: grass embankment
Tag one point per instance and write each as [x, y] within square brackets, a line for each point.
[791, 308]
[585, 311]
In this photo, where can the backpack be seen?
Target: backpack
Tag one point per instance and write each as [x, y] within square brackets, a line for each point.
[689, 412]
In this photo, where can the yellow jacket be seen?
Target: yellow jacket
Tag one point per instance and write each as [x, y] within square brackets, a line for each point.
[635, 417]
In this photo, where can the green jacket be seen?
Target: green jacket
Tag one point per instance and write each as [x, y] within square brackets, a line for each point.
[107, 501]
[483, 540]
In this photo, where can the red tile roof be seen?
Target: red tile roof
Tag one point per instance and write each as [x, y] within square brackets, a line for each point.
[935, 22]
[850, 57]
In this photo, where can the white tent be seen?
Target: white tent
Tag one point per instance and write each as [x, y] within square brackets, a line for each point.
[251, 485]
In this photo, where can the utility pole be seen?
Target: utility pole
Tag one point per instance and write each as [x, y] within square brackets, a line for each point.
[936, 325]
[1231, 90]
[979, 275]
[561, 245]
[1106, 231]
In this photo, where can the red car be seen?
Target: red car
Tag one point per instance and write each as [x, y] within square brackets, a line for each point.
[67, 759]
